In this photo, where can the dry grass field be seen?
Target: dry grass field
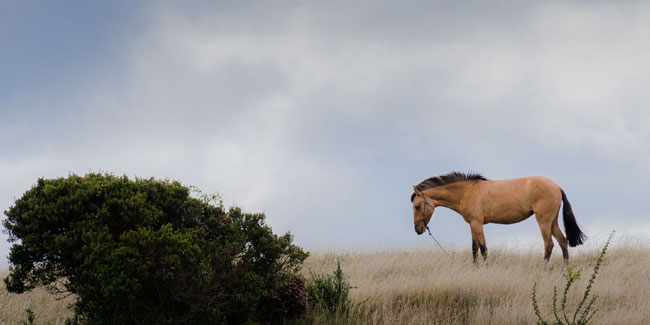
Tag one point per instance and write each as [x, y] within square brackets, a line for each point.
[431, 287]
[47, 309]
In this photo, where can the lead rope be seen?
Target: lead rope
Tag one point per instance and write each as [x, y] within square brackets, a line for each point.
[434, 238]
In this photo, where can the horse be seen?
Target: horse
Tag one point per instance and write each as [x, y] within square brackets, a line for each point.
[481, 201]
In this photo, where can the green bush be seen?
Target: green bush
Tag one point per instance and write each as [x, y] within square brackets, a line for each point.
[145, 251]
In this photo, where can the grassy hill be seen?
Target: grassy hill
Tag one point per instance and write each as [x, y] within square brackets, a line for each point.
[431, 287]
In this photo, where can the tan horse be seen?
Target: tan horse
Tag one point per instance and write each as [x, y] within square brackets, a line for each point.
[480, 201]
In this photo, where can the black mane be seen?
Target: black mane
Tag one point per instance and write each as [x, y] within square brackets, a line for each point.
[445, 179]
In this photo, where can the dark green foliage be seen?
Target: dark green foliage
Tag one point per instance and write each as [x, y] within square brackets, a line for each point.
[288, 300]
[330, 292]
[571, 276]
[145, 251]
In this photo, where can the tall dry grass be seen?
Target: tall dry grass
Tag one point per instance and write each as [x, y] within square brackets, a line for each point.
[431, 287]
[47, 308]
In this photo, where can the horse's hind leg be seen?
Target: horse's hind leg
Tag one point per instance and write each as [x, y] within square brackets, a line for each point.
[545, 228]
[559, 236]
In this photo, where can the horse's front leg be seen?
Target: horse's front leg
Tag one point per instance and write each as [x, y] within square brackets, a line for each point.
[478, 240]
[474, 245]
[474, 248]
[483, 247]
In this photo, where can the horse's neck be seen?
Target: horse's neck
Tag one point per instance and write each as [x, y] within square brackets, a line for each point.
[448, 196]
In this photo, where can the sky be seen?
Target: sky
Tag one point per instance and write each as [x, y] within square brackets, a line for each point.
[323, 114]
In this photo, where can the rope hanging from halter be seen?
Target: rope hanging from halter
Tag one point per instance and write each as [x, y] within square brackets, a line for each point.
[434, 238]
[427, 226]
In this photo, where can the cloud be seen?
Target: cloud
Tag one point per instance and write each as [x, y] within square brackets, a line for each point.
[324, 114]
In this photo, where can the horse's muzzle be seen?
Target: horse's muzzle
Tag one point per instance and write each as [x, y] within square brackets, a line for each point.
[419, 230]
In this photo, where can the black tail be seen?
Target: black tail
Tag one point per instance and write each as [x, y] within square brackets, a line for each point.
[574, 235]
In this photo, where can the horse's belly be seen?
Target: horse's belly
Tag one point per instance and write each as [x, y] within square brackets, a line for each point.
[508, 218]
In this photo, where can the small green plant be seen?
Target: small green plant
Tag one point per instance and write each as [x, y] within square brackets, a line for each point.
[571, 276]
[330, 292]
[31, 317]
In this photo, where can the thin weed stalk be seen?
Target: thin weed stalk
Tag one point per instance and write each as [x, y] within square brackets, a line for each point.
[571, 276]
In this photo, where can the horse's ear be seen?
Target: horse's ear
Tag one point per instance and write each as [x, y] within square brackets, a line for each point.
[415, 192]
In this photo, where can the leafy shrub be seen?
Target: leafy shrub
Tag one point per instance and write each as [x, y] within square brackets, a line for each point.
[571, 276]
[330, 292]
[145, 251]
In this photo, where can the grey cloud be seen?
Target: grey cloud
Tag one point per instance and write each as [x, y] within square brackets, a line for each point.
[323, 115]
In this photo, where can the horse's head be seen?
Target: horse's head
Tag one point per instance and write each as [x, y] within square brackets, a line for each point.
[422, 210]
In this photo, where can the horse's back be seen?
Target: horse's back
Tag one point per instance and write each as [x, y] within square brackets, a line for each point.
[543, 187]
[522, 185]
[515, 199]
